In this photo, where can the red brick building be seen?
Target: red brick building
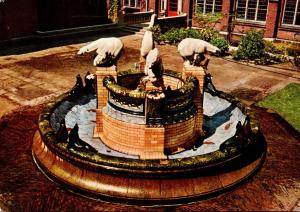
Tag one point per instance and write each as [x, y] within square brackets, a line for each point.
[279, 19]
[24, 18]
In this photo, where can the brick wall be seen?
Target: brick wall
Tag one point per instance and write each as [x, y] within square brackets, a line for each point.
[271, 24]
[147, 142]
[102, 94]
[288, 35]
[61, 14]
[173, 82]
[225, 12]
[22, 18]
[180, 135]
[199, 73]
[134, 139]
[18, 18]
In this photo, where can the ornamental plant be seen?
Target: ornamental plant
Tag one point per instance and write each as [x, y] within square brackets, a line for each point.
[221, 43]
[113, 10]
[251, 46]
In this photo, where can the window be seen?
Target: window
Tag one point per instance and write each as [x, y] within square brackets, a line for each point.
[291, 14]
[132, 3]
[252, 10]
[209, 6]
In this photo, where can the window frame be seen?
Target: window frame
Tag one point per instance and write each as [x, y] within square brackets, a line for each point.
[135, 3]
[295, 14]
[246, 13]
[204, 8]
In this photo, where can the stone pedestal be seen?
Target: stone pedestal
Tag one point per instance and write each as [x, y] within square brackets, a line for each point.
[199, 73]
[102, 94]
[142, 64]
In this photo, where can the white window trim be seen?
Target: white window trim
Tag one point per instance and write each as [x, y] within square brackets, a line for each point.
[204, 6]
[295, 15]
[246, 11]
[163, 5]
[130, 3]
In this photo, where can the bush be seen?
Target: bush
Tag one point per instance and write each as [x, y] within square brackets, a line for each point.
[251, 46]
[297, 62]
[175, 35]
[193, 33]
[271, 48]
[156, 33]
[171, 36]
[221, 43]
[208, 34]
[207, 19]
[113, 10]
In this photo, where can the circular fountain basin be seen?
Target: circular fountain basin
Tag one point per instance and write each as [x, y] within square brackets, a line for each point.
[114, 176]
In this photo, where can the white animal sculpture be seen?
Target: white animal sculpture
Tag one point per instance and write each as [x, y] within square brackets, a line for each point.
[108, 50]
[191, 49]
[152, 20]
[153, 68]
[148, 42]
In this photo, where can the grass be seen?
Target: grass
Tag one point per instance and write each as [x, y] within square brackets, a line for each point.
[286, 102]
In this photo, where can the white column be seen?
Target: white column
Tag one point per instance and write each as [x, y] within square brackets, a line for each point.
[179, 11]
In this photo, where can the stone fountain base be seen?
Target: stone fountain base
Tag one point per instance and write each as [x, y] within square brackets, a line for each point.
[80, 178]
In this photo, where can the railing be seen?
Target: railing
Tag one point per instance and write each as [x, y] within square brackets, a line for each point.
[124, 99]
[166, 23]
[180, 99]
[135, 18]
[134, 101]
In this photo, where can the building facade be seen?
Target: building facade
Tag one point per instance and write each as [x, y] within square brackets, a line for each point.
[280, 19]
[23, 18]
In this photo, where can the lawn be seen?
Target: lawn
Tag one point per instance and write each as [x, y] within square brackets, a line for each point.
[286, 102]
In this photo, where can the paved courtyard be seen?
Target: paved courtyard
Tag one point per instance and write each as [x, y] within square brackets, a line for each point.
[34, 78]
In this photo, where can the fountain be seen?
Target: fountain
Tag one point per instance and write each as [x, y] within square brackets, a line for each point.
[148, 135]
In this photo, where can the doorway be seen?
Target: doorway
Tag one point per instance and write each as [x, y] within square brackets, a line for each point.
[172, 7]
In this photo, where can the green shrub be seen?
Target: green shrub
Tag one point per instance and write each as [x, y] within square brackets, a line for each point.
[156, 33]
[175, 35]
[207, 19]
[171, 36]
[297, 62]
[113, 10]
[208, 34]
[194, 33]
[221, 43]
[271, 48]
[251, 46]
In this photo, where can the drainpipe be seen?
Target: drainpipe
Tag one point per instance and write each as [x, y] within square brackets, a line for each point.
[230, 18]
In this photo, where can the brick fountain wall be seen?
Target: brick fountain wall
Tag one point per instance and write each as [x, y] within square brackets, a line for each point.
[147, 141]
